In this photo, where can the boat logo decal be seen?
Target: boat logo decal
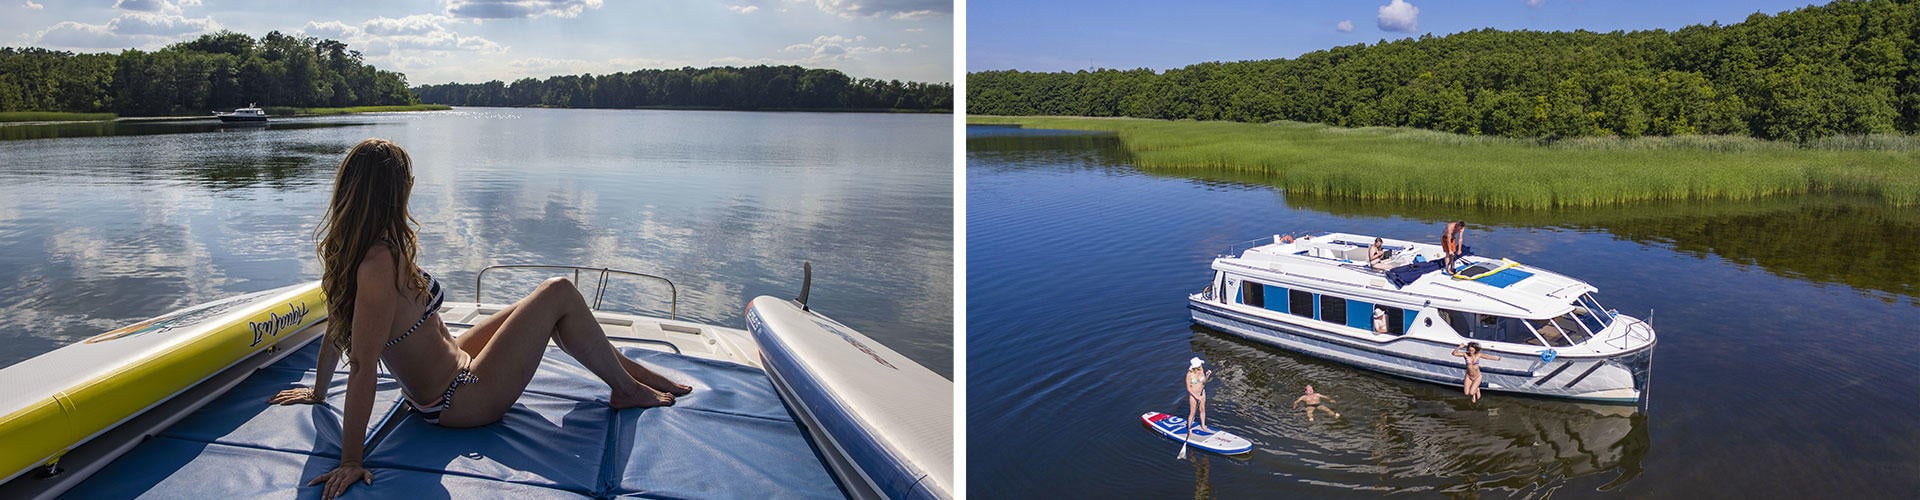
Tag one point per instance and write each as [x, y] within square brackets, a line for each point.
[166, 322]
[862, 346]
[275, 323]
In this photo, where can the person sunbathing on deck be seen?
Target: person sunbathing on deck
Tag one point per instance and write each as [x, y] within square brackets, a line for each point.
[1377, 255]
[382, 308]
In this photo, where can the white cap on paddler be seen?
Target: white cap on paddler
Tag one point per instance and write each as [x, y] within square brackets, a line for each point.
[1196, 363]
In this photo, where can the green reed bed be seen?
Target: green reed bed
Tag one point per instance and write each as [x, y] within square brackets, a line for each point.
[52, 116]
[1426, 166]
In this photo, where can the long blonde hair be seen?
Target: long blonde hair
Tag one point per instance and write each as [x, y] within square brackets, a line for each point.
[369, 206]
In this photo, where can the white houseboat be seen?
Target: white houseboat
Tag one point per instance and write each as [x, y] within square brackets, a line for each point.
[1319, 295]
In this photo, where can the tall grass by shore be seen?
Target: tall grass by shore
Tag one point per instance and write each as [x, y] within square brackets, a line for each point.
[52, 116]
[1427, 166]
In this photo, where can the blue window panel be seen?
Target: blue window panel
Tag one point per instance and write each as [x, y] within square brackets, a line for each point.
[1408, 319]
[1273, 292]
[1360, 315]
[1316, 306]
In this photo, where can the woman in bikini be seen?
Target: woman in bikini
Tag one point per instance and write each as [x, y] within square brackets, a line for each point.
[1197, 395]
[1471, 353]
[382, 308]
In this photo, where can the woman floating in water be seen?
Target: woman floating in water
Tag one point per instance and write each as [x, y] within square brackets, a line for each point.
[1312, 399]
[1197, 395]
[378, 300]
[1471, 353]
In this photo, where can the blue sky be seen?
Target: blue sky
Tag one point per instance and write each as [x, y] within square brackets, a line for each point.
[437, 41]
[1066, 35]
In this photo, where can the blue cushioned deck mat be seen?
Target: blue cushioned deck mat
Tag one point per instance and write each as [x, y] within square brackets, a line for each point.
[731, 438]
[1506, 277]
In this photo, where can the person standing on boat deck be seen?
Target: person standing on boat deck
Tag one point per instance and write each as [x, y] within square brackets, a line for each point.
[1453, 242]
[1471, 353]
[382, 308]
[1197, 394]
[1312, 399]
[1377, 255]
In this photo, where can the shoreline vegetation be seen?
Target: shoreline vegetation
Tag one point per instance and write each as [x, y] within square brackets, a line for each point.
[33, 117]
[1416, 165]
[753, 88]
[1847, 68]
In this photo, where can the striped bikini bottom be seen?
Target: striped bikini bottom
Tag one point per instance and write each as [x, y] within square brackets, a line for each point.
[431, 411]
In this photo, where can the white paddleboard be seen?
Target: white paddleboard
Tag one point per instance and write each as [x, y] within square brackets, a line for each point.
[1214, 440]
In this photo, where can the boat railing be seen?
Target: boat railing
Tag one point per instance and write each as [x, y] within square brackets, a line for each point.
[600, 282]
[1636, 332]
[1235, 249]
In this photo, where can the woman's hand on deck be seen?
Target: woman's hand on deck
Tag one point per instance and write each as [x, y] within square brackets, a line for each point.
[297, 395]
[340, 478]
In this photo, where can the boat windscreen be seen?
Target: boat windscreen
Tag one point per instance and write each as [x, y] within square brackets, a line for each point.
[1590, 314]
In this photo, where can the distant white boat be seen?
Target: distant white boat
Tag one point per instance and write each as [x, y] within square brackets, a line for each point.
[1318, 296]
[244, 116]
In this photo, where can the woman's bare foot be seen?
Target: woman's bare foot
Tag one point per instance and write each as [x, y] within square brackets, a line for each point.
[647, 398]
[657, 381]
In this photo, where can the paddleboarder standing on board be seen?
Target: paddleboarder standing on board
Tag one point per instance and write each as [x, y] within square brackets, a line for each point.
[1197, 394]
[1312, 399]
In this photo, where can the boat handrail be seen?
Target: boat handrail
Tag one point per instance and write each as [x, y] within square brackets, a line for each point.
[1636, 332]
[1234, 250]
[600, 285]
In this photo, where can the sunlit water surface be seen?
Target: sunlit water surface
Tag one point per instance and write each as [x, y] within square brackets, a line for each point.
[1786, 364]
[104, 225]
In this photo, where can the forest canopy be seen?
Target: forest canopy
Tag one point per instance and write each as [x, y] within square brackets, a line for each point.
[216, 71]
[757, 87]
[1848, 67]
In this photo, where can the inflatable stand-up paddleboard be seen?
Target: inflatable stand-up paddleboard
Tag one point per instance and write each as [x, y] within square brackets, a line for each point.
[56, 401]
[1215, 440]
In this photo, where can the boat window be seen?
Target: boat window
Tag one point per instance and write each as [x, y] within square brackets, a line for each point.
[1251, 294]
[1398, 320]
[1300, 303]
[1576, 333]
[1333, 309]
[1462, 323]
[1551, 333]
[1277, 293]
[1591, 314]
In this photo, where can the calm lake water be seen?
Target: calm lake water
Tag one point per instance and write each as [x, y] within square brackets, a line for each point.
[103, 225]
[1788, 364]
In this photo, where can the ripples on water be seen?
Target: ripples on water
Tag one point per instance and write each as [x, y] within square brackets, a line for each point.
[102, 225]
[1785, 365]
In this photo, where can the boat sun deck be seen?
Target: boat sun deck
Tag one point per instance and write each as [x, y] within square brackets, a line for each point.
[732, 437]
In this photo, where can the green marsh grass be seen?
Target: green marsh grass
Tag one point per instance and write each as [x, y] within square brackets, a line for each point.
[51, 116]
[1376, 163]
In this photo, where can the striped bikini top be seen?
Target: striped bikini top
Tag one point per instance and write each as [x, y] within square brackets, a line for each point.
[433, 304]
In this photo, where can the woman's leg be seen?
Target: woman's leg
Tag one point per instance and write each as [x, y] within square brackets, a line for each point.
[482, 332]
[509, 357]
[1203, 414]
[1193, 405]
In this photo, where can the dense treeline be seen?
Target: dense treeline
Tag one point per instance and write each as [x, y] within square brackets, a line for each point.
[1845, 68]
[216, 71]
[757, 87]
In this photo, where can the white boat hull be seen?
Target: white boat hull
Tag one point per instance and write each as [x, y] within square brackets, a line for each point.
[1620, 378]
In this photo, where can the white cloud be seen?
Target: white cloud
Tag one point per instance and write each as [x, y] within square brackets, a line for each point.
[897, 9]
[34, 6]
[831, 48]
[541, 67]
[382, 35]
[1399, 16]
[144, 23]
[161, 6]
[511, 9]
[79, 35]
[1345, 26]
[743, 9]
[1536, 3]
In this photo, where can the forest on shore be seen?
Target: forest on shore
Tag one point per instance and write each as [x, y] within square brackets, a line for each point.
[218, 71]
[1845, 68]
[748, 88]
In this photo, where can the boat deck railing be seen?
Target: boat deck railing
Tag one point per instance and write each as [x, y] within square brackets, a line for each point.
[1236, 249]
[600, 282]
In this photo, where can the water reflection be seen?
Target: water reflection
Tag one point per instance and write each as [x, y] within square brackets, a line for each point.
[135, 219]
[119, 128]
[1405, 436]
